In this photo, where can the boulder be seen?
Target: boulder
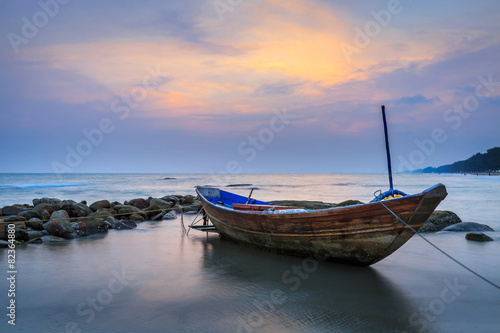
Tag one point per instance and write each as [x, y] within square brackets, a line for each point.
[34, 234]
[125, 211]
[35, 224]
[348, 203]
[59, 216]
[102, 213]
[139, 203]
[44, 206]
[80, 228]
[3, 231]
[439, 220]
[76, 209]
[158, 217]
[187, 200]
[50, 201]
[171, 198]
[21, 235]
[152, 210]
[468, 226]
[100, 204]
[478, 237]
[136, 217]
[170, 215]
[61, 229]
[95, 225]
[12, 210]
[127, 224]
[15, 218]
[161, 203]
[53, 239]
[29, 214]
[43, 210]
[120, 224]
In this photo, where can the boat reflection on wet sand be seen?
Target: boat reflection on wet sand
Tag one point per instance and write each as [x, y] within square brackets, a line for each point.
[272, 292]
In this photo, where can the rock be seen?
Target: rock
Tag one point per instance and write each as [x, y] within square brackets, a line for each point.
[34, 234]
[50, 201]
[43, 210]
[3, 244]
[162, 204]
[348, 203]
[152, 210]
[158, 217]
[21, 235]
[187, 200]
[302, 204]
[53, 239]
[77, 209]
[136, 217]
[60, 229]
[439, 220]
[120, 224]
[171, 198]
[127, 224]
[139, 203]
[59, 216]
[48, 207]
[80, 228]
[127, 211]
[20, 206]
[478, 237]
[12, 210]
[170, 215]
[102, 213]
[3, 231]
[35, 224]
[95, 225]
[29, 214]
[15, 218]
[100, 204]
[468, 226]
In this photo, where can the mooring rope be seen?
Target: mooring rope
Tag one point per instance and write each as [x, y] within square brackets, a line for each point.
[443, 252]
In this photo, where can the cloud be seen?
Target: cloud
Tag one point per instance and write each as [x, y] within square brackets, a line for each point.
[279, 88]
[417, 99]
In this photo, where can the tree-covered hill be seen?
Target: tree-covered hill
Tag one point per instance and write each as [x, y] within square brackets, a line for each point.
[488, 162]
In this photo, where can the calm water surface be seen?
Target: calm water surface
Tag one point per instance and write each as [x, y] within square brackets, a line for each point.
[156, 279]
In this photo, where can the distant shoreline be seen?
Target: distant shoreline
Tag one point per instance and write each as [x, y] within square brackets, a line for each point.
[492, 173]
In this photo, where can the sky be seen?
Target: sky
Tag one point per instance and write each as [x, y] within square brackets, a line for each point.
[246, 86]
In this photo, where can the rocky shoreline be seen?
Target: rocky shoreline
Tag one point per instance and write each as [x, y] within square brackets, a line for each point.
[50, 220]
[54, 220]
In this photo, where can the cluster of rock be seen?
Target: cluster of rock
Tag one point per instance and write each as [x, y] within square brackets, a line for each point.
[51, 219]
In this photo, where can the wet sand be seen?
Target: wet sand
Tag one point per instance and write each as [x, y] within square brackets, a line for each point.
[155, 279]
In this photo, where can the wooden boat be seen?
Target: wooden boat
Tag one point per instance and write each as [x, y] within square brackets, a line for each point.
[361, 234]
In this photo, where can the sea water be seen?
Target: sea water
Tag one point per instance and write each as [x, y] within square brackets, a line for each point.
[157, 279]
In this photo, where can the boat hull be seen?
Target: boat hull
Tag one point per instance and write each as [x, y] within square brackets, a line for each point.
[360, 234]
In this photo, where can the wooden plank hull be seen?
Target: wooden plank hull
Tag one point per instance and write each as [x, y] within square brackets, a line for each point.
[361, 234]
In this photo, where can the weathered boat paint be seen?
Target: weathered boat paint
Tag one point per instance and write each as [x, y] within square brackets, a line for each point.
[361, 234]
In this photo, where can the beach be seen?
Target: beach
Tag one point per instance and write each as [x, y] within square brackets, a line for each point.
[156, 278]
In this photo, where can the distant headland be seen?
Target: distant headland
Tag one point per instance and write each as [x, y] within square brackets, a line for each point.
[486, 164]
